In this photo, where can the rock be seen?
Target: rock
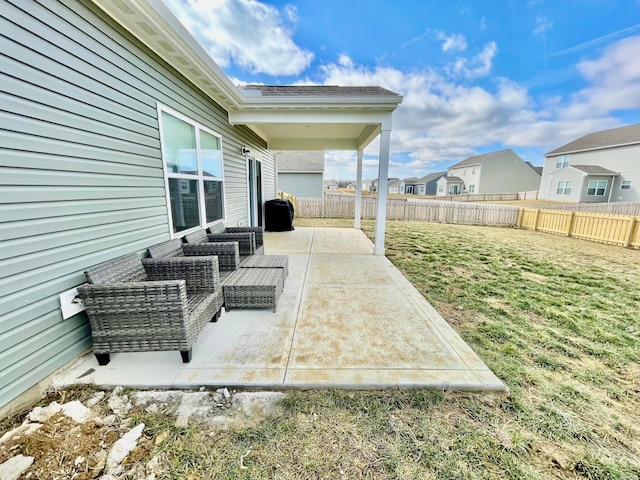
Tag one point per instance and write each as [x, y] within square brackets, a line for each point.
[153, 408]
[42, 414]
[97, 397]
[196, 404]
[109, 420]
[118, 404]
[14, 467]
[161, 437]
[225, 392]
[23, 430]
[122, 448]
[76, 411]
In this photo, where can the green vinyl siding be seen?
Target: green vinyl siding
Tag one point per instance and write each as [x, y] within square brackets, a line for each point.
[81, 177]
[301, 184]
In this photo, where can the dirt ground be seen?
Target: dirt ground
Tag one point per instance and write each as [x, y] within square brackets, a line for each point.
[64, 446]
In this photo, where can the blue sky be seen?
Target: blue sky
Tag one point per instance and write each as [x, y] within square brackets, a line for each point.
[476, 76]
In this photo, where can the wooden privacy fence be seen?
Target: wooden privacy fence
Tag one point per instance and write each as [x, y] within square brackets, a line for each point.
[615, 208]
[489, 197]
[623, 230]
[343, 206]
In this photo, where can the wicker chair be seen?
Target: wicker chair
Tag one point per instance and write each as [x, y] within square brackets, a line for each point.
[227, 253]
[150, 305]
[246, 240]
[257, 231]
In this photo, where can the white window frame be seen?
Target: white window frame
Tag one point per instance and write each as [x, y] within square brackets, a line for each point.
[625, 185]
[596, 188]
[199, 177]
[564, 187]
[562, 161]
[472, 188]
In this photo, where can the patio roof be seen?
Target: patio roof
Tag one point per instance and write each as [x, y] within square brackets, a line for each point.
[301, 117]
[285, 117]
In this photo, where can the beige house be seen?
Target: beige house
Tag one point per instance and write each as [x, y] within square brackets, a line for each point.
[496, 172]
[599, 167]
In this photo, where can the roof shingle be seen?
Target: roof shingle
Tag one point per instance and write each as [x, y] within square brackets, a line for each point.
[300, 161]
[318, 90]
[614, 137]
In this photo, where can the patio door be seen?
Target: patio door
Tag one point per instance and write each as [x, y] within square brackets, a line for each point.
[254, 178]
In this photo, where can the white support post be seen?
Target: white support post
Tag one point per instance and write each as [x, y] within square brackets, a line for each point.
[383, 183]
[358, 208]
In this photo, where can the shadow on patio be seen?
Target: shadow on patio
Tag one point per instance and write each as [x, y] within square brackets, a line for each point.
[346, 319]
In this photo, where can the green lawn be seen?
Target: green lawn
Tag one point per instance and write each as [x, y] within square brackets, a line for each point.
[557, 319]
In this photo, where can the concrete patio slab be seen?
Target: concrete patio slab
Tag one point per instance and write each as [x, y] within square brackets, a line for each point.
[346, 319]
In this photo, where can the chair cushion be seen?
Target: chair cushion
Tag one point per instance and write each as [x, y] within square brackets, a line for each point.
[127, 268]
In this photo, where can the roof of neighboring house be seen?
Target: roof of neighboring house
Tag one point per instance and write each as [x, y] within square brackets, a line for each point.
[320, 90]
[614, 137]
[432, 176]
[538, 170]
[300, 161]
[593, 169]
[411, 180]
[393, 181]
[454, 180]
[330, 182]
[480, 159]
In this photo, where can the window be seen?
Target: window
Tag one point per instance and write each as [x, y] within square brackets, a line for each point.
[192, 156]
[562, 161]
[441, 188]
[596, 187]
[472, 188]
[564, 187]
[625, 185]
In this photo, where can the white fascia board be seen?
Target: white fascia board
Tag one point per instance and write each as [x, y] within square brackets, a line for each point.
[312, 144]
[369, 102]
[592, 149]
[284, 116]
[157, 27]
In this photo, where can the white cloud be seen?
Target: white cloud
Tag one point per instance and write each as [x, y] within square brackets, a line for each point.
[543, 24]
[455, 42]
[443, 119]
[614, 80]
[477, 66]
[250, 34]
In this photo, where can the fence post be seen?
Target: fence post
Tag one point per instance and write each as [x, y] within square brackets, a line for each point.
[629, 234]
[570, 227]
[535, 220]
[520, 217]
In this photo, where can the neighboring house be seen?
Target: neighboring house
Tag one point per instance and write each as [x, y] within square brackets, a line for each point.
[120, 132]
[496, 172]
[366, 185]
[300, 172]
[331, 185]
[391, 181]
[395, 186]
[599, 167]
[428, 185]
[449, 186]
[410, 185]
[351, 186]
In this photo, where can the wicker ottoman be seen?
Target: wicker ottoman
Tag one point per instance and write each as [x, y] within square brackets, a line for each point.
[268, 261]
[253, 288]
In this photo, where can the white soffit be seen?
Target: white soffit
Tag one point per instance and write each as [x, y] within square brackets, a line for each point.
[306, 122]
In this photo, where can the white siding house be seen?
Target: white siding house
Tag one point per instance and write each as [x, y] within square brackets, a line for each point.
[601, 167]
